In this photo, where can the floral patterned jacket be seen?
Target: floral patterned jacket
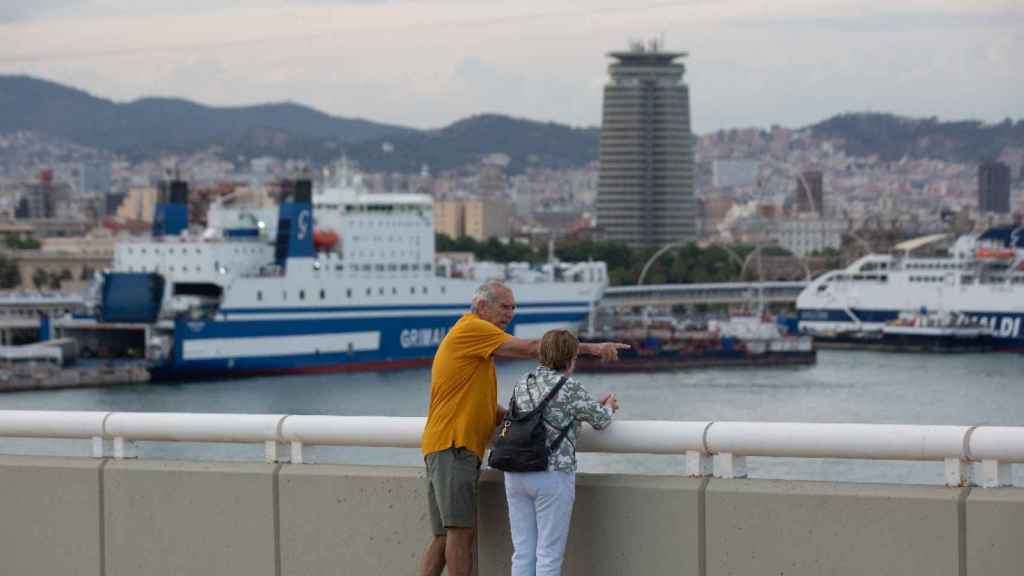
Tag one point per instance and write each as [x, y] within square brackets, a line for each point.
[571, 406]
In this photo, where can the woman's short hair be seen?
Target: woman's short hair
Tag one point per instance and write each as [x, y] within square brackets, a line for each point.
[557, 349]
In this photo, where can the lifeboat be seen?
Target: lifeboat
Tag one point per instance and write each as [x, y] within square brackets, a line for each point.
[324, 239]
[994, 253]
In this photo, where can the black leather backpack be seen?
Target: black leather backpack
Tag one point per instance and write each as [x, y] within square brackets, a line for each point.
[520, 444]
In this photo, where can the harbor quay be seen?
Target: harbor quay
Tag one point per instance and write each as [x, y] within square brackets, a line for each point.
[117, 514]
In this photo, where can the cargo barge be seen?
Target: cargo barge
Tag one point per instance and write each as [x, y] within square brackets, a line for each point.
[737, 342]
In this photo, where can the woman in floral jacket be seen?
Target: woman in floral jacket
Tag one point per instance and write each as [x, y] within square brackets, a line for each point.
[540, 503]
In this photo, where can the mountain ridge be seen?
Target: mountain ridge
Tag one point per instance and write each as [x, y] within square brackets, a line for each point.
[154, 125]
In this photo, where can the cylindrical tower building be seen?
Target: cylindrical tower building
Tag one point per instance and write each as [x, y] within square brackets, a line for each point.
[645, 192]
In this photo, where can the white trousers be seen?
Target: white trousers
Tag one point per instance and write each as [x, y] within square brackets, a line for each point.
[539, 511]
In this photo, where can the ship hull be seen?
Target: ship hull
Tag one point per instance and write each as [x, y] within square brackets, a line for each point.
[718, 359]
[338, 340]
[838, 326]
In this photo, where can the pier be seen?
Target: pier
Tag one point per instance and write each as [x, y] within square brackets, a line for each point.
[116, 514]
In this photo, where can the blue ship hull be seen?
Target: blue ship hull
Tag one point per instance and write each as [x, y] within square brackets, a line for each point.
[251, 342]
[1007, 329]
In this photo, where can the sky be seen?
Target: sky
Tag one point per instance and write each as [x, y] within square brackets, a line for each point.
[428, 63]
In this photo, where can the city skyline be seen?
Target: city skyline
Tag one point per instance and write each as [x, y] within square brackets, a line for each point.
[427, 64]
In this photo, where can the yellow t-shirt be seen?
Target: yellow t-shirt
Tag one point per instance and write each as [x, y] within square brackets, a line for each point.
[464, 387]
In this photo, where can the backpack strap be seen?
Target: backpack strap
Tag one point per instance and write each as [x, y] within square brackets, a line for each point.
[516, 414]
[562, 435]
[551, 394]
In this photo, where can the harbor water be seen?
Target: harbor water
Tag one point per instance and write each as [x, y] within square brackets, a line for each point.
[844, 386]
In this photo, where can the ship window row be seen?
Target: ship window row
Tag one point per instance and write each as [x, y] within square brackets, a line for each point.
[350, 208]
[968, 280]
[184, 250]
[381, 291]
[926, 279]
[382, 253]
[381, 267]
[399, 239]
[993, 280]
[841, 278]
[932, 266]
[417, 223]
[155, 268]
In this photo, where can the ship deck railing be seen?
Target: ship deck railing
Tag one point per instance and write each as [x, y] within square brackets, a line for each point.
[711, 448]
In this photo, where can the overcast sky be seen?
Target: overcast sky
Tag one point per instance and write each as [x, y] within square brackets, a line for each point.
[426, 63]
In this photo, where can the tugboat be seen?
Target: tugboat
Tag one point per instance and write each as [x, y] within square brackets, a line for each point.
[946, 332]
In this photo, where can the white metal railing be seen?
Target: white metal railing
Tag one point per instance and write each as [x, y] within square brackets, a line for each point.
[711, 448]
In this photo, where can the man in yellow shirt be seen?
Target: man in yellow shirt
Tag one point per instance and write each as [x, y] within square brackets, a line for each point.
[464, 411]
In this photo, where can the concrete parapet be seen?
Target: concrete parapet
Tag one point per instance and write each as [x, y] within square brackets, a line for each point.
[352, 520]
[129, 517]
[811, 528]
[50, 519]
[173, 518]
[618, 521]
[995, 532]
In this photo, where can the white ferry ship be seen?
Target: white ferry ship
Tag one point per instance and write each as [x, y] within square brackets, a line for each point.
[981, 277]
[335, 280]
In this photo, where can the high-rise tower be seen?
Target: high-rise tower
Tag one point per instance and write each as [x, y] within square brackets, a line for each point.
[645, 190]
[994, 188]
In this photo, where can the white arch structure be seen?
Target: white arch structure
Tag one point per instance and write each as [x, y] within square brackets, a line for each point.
[678, 244]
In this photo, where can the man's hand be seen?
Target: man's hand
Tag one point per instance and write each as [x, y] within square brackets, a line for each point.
[499, 414]
[607, 351]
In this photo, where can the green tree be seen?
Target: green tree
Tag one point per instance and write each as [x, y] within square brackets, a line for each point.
[40, 278]
[19, 242]
[9, 276]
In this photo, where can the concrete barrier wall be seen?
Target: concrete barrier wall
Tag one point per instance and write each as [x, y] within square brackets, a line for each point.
[814, 528]
[99, 517]
[617, 523]
[995, 532]
[352, 520]
[50, 516]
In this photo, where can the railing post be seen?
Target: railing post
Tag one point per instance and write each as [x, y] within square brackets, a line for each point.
[699, 464]
[996, 474]
[101, 447]
[296, 452]
[958, 472]
[274, 452]
[125, 449]
[728, 465]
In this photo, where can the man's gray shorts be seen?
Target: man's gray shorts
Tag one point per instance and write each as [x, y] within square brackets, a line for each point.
[453, 477]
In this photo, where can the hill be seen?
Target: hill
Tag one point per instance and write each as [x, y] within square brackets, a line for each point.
[894, 137]
[527, 144]
[147, 127]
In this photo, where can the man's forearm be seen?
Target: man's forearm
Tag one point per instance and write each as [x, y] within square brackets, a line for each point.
[518, 348]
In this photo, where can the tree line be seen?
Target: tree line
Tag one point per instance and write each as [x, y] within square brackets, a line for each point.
[689, 264]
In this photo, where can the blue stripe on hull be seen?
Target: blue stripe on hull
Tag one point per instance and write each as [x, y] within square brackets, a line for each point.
[391, 352]
[417, 307]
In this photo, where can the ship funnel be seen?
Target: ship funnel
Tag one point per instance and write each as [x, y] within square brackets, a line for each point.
[294, 221]
[171, 214]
